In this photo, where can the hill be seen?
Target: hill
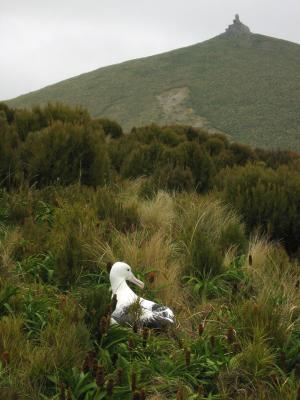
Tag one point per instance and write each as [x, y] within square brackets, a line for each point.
[244, 84]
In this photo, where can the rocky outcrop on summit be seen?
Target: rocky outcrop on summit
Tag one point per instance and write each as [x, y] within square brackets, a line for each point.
[237, 28]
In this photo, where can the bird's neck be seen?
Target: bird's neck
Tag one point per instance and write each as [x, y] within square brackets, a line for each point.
[122, 291]
[117, 285]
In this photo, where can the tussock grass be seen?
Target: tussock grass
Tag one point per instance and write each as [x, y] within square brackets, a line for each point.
[158, 213]
[208, 230]
[8, 243]
[238, 316]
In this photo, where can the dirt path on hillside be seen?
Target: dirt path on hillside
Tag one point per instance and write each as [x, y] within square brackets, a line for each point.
[176, 110]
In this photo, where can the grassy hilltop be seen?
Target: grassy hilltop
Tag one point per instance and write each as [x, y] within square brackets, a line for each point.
[245, 85]
[212, 228]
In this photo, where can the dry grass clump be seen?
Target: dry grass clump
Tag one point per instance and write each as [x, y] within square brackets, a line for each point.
[272, 278]
[12, 340]
[9, 240]
[209, 232]
[206, 212]
[157, 213]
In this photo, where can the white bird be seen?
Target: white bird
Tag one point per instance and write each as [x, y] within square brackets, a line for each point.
[132, 309]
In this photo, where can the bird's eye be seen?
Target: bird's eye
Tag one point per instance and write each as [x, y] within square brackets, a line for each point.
[128, 269]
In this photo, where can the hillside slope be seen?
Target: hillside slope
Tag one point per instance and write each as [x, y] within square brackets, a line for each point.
[247, 85]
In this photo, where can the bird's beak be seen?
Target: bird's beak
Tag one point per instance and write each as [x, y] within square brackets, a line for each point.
[136, 281]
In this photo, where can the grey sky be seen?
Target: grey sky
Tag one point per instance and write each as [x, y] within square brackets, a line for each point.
[43, 42]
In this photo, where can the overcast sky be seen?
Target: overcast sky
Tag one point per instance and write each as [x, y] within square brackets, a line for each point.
[43, 42]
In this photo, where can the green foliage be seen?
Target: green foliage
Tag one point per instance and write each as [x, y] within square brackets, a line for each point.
[69, 235]
[4, 212]
[208, 230]
[203, 169]
[27, 121]
[241, 153]
[173, 179]
[233, 235]
[79, 386]
[35, 313]
[214, 146]
[108, 208]
[95, 299]
[9, 152]
[264, 196]
[206, 258]
[209, 285]
[252, 367]
[291, 351]
[45, 212]
[8, 112]
[39, 267]
[142, 160]
[155, 134]
[65, 154]
[6, 294]
[111, 128]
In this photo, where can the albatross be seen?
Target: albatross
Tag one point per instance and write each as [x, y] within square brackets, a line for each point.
[132, 309]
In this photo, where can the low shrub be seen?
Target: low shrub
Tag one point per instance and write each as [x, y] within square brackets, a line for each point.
[263, 196]
[65, 154]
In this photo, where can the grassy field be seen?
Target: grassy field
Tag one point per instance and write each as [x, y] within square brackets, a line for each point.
[247, 86]
[235, 299]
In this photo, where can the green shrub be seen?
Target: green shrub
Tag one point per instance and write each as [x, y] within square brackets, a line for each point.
[208, 230]
[65, 154]
[189, 157]
[214, 146]
[206, 258]
[111, 128]
[10, 171]
[8, 112]
[38, 118]
[142, 160]
[199, 135]
[263, 196]
[242, 153]
[119, 150]
[73, 229]
[203, 169]
[173, 179]
[108, 208]
[154, 134]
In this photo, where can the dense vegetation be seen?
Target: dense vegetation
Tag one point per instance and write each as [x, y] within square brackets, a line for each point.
[246, 86]
[211, 226]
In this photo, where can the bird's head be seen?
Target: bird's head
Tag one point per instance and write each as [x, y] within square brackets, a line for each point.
[121, 271]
